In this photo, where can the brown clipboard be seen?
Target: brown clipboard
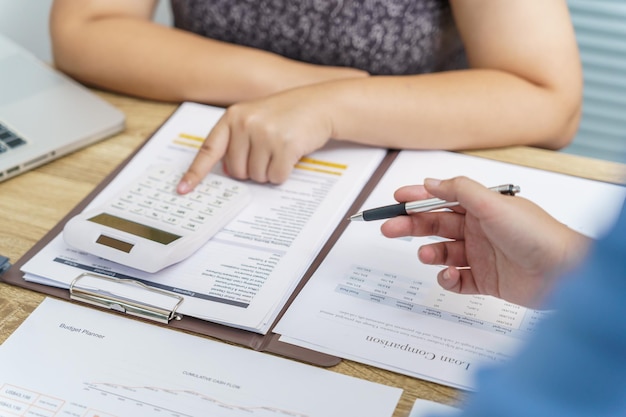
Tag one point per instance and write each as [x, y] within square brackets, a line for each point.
[268, 342]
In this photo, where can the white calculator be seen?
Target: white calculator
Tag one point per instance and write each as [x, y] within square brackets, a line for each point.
[149, 226]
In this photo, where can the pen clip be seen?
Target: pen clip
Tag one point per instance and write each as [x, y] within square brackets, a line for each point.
[507, 189]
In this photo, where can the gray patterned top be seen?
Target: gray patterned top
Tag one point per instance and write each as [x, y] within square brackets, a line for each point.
[383, 37]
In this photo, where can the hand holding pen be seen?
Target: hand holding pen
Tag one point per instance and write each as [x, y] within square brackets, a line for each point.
[420, 206]
[494, 245]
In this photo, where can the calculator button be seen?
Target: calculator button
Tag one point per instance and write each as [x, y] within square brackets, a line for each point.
[209, 211]
[172, 199]
[190, 205]
[198, 197]
[161, 173]
[190, 226]
[146, 202]
[148, 183]
[180, 212]
[173, 220]
[120, 205]
[155, 195]
[154, 215]
[167, 189]
[203, 188]
[199, 218]
[128, 197]
[163, 207]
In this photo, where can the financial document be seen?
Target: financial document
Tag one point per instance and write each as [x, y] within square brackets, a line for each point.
[69, 360]
[243, 276]
[371, 300]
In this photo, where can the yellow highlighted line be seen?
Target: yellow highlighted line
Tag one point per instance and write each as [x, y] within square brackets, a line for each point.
[310, 168]
[188, 144]
[196, 141]
[308, 160]
[192, 137]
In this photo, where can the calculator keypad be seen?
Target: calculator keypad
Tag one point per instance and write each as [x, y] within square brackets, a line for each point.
[154, 197]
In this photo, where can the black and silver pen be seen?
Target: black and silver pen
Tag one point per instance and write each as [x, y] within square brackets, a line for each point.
[420, 206]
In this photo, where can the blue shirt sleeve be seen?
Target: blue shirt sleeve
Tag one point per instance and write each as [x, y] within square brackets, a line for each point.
[574, 365]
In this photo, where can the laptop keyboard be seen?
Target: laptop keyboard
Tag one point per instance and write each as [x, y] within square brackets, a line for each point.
[9, 140]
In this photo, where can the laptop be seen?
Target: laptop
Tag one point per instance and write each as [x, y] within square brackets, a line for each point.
[45, 114]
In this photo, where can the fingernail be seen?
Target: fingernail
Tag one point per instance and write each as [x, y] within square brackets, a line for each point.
[432, 182]
[183, 187]
[446, 274]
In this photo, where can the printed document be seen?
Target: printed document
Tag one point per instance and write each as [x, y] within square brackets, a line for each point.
[70, 360]
[371, 300]
[243, 276]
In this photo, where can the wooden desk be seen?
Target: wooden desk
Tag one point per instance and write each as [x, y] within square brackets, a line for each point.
[34, 202]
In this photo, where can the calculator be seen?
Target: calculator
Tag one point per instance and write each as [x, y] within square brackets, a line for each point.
[149, 226]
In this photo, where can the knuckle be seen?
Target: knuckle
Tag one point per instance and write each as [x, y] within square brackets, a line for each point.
[278, 178]
[238, 172]
[258, 176]
[207, 148]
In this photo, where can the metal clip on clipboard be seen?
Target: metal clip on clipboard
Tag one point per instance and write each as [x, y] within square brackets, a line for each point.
[126, 296]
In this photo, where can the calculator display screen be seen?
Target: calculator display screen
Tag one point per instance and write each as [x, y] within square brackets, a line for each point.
[134, 228]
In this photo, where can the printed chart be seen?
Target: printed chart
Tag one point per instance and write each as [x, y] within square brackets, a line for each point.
[422, 297]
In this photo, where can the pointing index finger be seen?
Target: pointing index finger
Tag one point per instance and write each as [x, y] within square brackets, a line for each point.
[212, 150]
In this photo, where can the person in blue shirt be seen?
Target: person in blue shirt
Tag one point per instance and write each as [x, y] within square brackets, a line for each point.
[574, 365]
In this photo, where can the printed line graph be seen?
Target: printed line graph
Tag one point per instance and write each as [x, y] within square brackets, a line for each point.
[121, 400]
[159, 399]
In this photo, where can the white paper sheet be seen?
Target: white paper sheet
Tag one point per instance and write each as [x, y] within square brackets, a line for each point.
[244, 275]
[372, 301]
[426, 408]
[69, 360]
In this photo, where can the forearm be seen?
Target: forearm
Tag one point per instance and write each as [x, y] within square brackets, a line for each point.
[141, 58]
[452, 110]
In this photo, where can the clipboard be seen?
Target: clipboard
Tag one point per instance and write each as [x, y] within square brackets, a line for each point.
[81, 292]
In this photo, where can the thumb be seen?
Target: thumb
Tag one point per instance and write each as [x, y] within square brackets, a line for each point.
[471, 195]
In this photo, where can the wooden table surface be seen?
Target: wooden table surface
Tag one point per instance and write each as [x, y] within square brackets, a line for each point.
[32, 203]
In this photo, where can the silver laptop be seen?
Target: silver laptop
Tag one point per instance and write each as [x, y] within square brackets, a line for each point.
[45, 114]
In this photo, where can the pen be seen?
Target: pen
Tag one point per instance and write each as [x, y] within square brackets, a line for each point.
[420, 206]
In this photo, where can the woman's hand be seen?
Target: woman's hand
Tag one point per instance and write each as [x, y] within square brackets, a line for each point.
[263, 139]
